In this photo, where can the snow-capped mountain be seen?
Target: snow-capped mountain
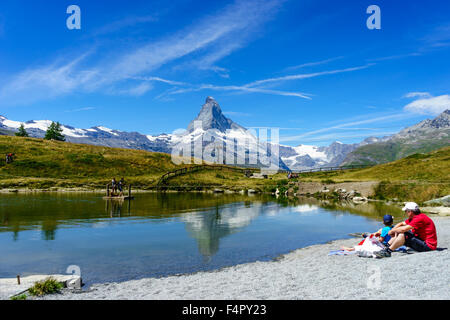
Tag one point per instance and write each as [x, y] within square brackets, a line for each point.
[305, 157]
[214, 138]
[210, 135]
[220, 140]
[98, 135]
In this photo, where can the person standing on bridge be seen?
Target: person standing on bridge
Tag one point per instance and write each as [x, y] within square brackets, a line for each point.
[120, 186]
[113, 185]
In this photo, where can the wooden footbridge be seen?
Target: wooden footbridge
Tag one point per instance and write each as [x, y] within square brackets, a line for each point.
[197, 168]
[325, 169]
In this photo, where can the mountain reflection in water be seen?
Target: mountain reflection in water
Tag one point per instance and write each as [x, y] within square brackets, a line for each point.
[162, 234]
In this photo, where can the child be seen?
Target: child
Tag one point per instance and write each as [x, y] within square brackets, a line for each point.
[382, 234]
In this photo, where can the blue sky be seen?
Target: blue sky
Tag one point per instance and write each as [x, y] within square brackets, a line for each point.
[311, 68]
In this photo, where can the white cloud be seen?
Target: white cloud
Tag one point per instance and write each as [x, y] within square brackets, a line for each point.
[431, 105]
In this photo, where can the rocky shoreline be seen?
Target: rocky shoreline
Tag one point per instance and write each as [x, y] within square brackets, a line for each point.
[307, 273]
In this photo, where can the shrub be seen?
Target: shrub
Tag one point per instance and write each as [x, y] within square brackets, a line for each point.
[47, 286]
[220, 176]
[20, 297]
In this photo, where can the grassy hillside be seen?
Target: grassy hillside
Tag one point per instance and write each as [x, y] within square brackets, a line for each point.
[431, 167]
[226, 179]
[42, 164]
[384, 152]
[419, 176]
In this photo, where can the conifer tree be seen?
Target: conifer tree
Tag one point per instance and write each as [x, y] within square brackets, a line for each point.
[54, 132]
[22, 132]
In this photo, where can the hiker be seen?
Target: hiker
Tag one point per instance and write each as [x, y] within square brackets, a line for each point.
[9, 157]
[120, 186]
[418, 232]
[382, 234]
[113, 185]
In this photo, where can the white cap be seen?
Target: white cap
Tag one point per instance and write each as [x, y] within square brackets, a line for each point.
[411, 206]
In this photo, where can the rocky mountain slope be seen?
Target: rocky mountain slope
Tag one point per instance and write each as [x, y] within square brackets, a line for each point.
[426, 136]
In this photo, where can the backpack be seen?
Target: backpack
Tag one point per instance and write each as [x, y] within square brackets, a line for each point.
[369, 246]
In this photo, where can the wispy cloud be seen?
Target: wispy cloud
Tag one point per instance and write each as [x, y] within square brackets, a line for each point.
[239, 89]
[211, 39]
[395, 57]
[81, 109]
[255, 87]
[311, 64]
[306, 75]
[349, 125]
[124, 23]
[438, 37]
[234, 22]
[417, 94]
[158, 79]
[49, 81]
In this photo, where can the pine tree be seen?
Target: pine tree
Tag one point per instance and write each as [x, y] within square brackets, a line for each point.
[22, 132]
[54, 132]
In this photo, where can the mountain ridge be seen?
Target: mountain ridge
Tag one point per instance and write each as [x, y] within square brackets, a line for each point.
[423, 137]
[216, 128]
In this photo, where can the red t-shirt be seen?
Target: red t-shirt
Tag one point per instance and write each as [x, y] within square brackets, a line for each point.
[424, 228]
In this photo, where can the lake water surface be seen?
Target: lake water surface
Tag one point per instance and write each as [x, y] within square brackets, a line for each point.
[164, 234]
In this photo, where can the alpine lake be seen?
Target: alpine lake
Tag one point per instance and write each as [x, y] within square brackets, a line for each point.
[161, 234]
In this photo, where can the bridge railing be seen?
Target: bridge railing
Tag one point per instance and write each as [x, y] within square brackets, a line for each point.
[186, 170]
[325, 169]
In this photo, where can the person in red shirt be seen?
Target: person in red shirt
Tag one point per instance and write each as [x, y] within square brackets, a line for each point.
[417, 232]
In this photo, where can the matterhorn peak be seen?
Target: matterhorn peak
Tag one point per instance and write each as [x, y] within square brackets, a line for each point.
[210, 100]
[212, 117]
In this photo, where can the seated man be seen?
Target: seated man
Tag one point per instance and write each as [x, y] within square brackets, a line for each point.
[417, 232]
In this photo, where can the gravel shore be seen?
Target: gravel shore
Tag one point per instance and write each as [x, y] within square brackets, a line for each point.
[307, 273]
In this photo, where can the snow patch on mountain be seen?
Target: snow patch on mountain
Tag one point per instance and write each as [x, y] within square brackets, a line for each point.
[110, 131]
